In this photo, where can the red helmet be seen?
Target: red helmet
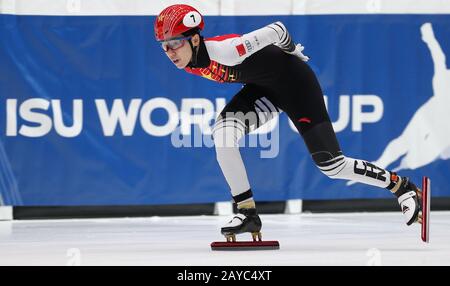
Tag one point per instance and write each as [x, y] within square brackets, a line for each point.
[175, 20]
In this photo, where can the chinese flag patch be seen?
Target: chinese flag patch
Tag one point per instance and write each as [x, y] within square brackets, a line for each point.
[241, 50]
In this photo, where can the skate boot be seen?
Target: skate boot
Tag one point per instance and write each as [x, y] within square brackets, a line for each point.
[247, 220]
[410, 200]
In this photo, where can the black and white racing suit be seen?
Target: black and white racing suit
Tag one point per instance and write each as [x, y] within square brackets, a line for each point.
[274, 80]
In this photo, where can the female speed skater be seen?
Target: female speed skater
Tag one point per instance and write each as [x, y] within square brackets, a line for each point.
[275, 77]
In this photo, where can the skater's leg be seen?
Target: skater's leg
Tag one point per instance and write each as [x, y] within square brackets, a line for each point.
[227, 133]
[305, 106]
[326, 153]
[248, 110]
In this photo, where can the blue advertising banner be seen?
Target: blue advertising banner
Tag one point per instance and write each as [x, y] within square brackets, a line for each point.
[93, 113]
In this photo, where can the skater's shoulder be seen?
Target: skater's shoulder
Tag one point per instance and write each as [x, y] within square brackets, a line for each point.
[221, 38]
[226, 49]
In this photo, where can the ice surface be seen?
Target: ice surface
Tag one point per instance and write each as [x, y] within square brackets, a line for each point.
[306, 239]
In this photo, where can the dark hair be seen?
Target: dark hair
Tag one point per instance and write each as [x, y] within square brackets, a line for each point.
[191, 32]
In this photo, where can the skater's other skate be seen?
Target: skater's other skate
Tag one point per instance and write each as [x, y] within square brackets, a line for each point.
[414, 202]
[410, 199]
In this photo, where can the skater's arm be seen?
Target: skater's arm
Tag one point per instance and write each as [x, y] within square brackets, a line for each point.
[234, 50]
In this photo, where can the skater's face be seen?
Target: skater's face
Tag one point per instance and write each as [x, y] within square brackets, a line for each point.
[179, 51]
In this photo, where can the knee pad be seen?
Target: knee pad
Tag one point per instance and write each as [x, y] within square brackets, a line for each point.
[227, 132]
[330, 164]
[323, 158]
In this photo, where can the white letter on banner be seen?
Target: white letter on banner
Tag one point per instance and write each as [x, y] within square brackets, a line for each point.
[11, 117]
[77, 117]
[126, 119]
[344, 114]
[201, 119]
[220, 105]
[172, 111]
[359, 117]
[44, 122]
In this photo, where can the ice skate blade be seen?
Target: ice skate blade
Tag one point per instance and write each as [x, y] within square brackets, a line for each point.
[230, 237]
[257, 236]
[426, 200]
[245, 245]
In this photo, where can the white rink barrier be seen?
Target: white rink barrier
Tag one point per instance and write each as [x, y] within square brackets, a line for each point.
[6, 213]
[225, 7]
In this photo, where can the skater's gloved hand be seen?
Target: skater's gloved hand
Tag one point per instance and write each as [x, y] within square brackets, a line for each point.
[298, 52]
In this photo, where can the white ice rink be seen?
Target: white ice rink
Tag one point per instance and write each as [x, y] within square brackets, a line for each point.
[307, 239]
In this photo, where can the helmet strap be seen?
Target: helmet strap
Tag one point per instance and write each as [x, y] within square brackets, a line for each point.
[194, 53]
